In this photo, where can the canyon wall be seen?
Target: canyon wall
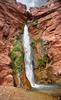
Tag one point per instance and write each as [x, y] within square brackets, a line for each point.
[12, 18]
[45, 33]
[44, 28]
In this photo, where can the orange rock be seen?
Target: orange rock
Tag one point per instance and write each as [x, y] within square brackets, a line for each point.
[12, 18]
[4, 59]
[25, 82]
[49, 21]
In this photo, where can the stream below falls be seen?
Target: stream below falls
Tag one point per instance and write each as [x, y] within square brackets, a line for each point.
[29, 66]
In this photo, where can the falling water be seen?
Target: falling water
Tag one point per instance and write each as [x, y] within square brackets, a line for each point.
[29, 66]
[28, 58]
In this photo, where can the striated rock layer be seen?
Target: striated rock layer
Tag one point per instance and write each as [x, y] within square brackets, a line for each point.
[45, 27]
[12, 18]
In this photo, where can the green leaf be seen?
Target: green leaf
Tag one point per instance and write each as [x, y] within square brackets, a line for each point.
[13, 55]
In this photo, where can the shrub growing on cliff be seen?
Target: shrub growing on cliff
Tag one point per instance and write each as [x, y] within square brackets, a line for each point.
[33, 44]
[16, 56]
[43, 46]
[35, 22]
[45, 59]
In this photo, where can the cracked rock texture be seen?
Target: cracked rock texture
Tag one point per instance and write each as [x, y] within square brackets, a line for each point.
[46, 25]
[12, 18]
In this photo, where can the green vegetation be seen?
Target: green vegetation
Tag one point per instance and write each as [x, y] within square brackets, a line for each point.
[44, 60]
[19, 33]
[33, 44]
[16, 56]
[35, 22]
[22, 29]
[43, 47]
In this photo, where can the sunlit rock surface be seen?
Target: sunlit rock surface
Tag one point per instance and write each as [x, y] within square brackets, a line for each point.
[12, 18]
[46, 25]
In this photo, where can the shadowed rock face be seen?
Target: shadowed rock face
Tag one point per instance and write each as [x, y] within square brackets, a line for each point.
[12, 18]
[46, 25]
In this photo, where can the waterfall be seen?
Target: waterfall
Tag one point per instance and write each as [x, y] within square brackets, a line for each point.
[27, 55]
[29, 66]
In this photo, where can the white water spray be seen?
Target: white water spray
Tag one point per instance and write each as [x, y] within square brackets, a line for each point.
[27, 53]
[29, 66]
[52, 89]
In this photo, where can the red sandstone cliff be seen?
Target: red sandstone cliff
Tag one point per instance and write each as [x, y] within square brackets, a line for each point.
[46, 26]
[12, 18]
